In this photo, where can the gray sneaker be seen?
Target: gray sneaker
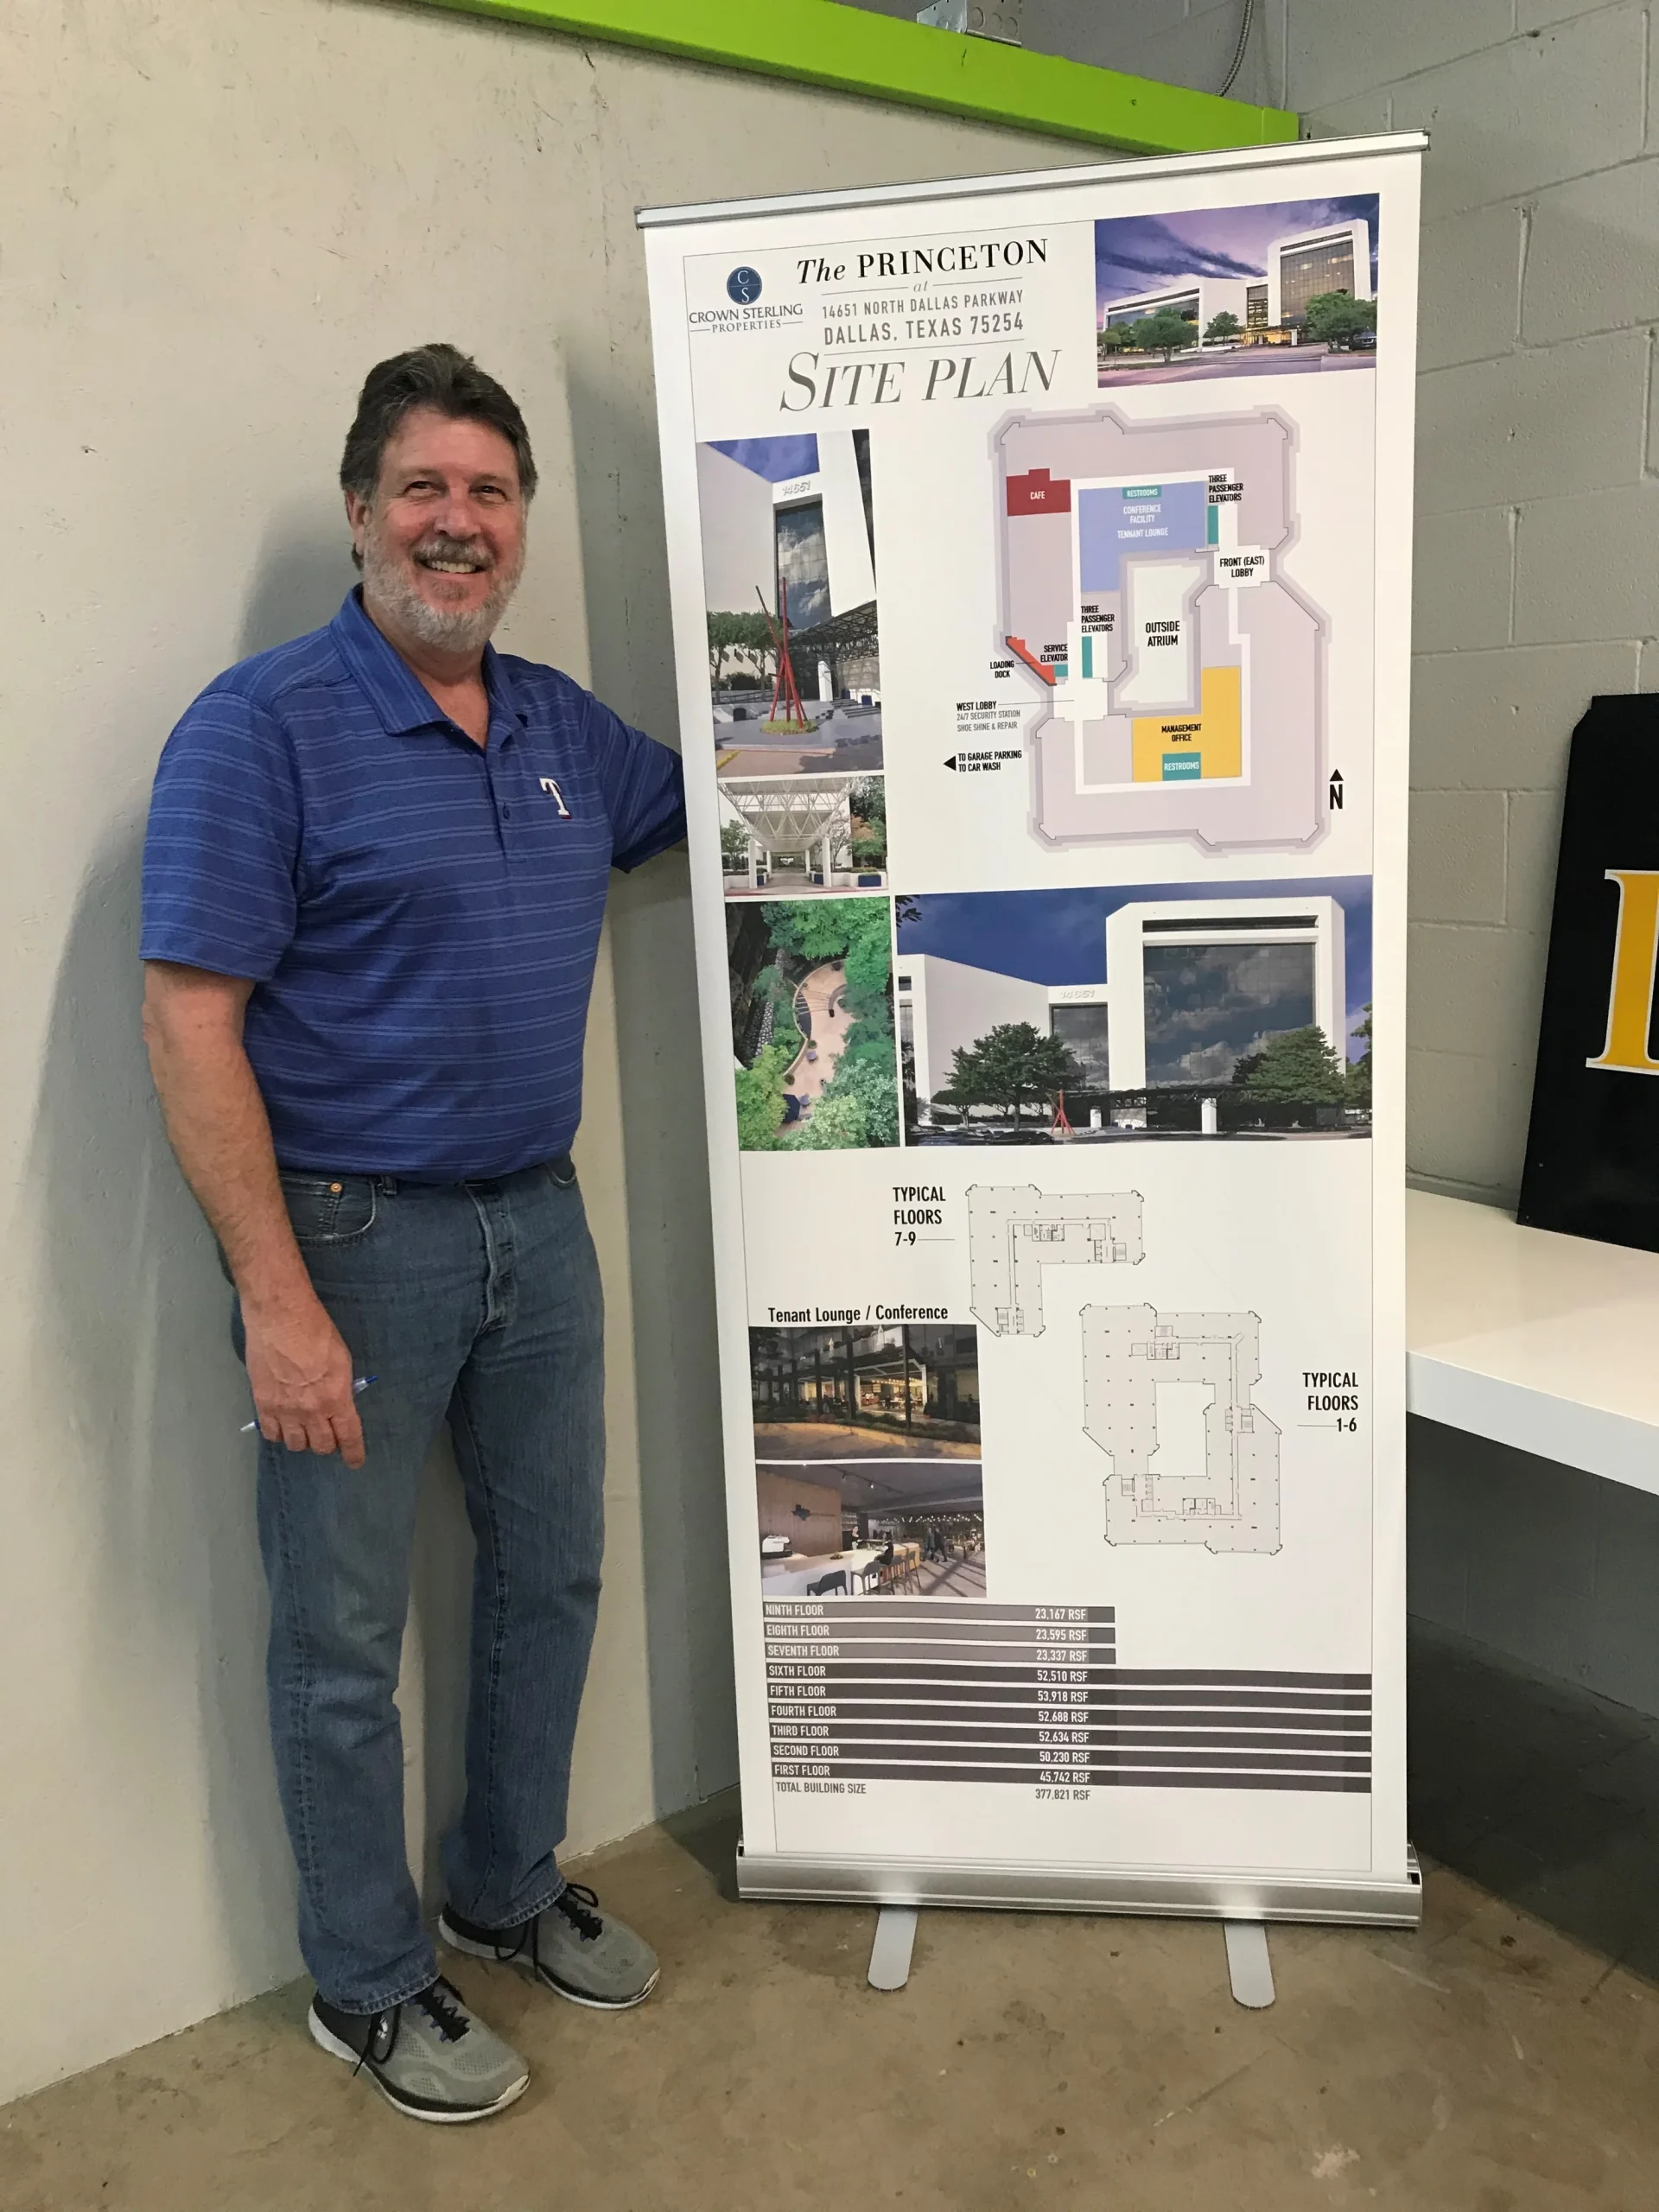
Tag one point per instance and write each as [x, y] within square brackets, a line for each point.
[572, 1946]
[430, 2057]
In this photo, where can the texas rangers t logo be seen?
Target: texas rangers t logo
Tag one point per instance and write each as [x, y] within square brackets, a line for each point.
[555, 795]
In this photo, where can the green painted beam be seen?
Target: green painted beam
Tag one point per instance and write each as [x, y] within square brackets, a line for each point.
[849, 49]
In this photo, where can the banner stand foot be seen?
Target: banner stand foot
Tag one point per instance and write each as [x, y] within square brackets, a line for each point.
[895, 1932]
[1249, 1967]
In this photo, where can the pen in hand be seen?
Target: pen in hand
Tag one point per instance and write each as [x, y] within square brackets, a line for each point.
[358, 1388]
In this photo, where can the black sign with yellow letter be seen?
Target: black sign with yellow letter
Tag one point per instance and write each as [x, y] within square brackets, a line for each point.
[1593, 1150]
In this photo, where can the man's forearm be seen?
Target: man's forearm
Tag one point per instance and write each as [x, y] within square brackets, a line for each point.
[299, 1367]
[217, 1124]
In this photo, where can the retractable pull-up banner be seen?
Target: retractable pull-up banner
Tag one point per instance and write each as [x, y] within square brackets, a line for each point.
[1039, 549]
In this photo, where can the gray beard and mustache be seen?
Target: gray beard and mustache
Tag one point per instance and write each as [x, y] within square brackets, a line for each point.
[451, 630]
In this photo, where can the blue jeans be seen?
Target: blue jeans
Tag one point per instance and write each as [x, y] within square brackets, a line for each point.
[478, 1304]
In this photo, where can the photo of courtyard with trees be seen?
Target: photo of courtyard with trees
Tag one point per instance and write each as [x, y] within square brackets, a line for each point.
[813, 1033]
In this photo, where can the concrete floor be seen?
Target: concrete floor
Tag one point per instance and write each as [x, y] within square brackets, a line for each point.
[1502, 2060]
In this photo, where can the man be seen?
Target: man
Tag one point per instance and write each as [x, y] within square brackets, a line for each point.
[373, 883]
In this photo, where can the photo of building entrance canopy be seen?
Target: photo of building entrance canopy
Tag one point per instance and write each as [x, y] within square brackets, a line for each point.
[783, 837]
[1270, 289]
[1145, 1012]
[789, 580]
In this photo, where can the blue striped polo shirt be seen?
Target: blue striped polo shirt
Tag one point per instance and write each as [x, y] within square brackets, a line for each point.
[419, 915]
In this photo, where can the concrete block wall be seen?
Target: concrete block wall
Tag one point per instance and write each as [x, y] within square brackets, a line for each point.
[223, 217]
[1537, 584]
[1537, 498]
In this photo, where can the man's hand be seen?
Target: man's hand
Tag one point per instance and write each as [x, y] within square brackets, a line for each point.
[301, 1375]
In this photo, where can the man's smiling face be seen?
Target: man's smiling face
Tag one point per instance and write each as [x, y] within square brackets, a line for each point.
[442, 540]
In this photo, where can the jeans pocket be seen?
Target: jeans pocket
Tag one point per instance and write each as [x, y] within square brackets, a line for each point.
[329, 1210]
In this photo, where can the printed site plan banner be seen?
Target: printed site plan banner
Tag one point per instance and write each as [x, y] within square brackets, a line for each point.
[1039, 549]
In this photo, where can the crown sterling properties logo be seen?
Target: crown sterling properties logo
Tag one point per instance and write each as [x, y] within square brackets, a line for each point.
[742, 314]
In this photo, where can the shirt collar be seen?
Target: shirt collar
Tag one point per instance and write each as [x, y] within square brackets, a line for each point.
[396, 694]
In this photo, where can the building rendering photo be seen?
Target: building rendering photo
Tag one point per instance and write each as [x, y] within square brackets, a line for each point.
[1097, 1016]
[1331, 257]
[1272, 290]
[1198, 299]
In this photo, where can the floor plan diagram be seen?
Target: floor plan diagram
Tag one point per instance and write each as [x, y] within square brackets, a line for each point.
[1015, 1231]
[1179, 675]
[1168, 1397]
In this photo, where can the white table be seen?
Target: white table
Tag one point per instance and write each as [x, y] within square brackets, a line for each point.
[1547, 1342]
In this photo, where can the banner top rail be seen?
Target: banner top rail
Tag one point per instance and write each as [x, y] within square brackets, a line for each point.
[1160, 166]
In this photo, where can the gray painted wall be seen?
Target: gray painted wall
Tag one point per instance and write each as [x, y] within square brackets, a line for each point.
[220, 217]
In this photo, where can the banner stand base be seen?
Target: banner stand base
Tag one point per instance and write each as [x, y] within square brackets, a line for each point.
[895, 1935]
[1357, 1901]
[1249, 1968]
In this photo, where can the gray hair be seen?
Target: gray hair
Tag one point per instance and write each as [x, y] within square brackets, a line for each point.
[447, 381]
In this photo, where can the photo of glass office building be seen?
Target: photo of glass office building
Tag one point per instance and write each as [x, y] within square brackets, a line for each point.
[1299, 269]
[1236, 292]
